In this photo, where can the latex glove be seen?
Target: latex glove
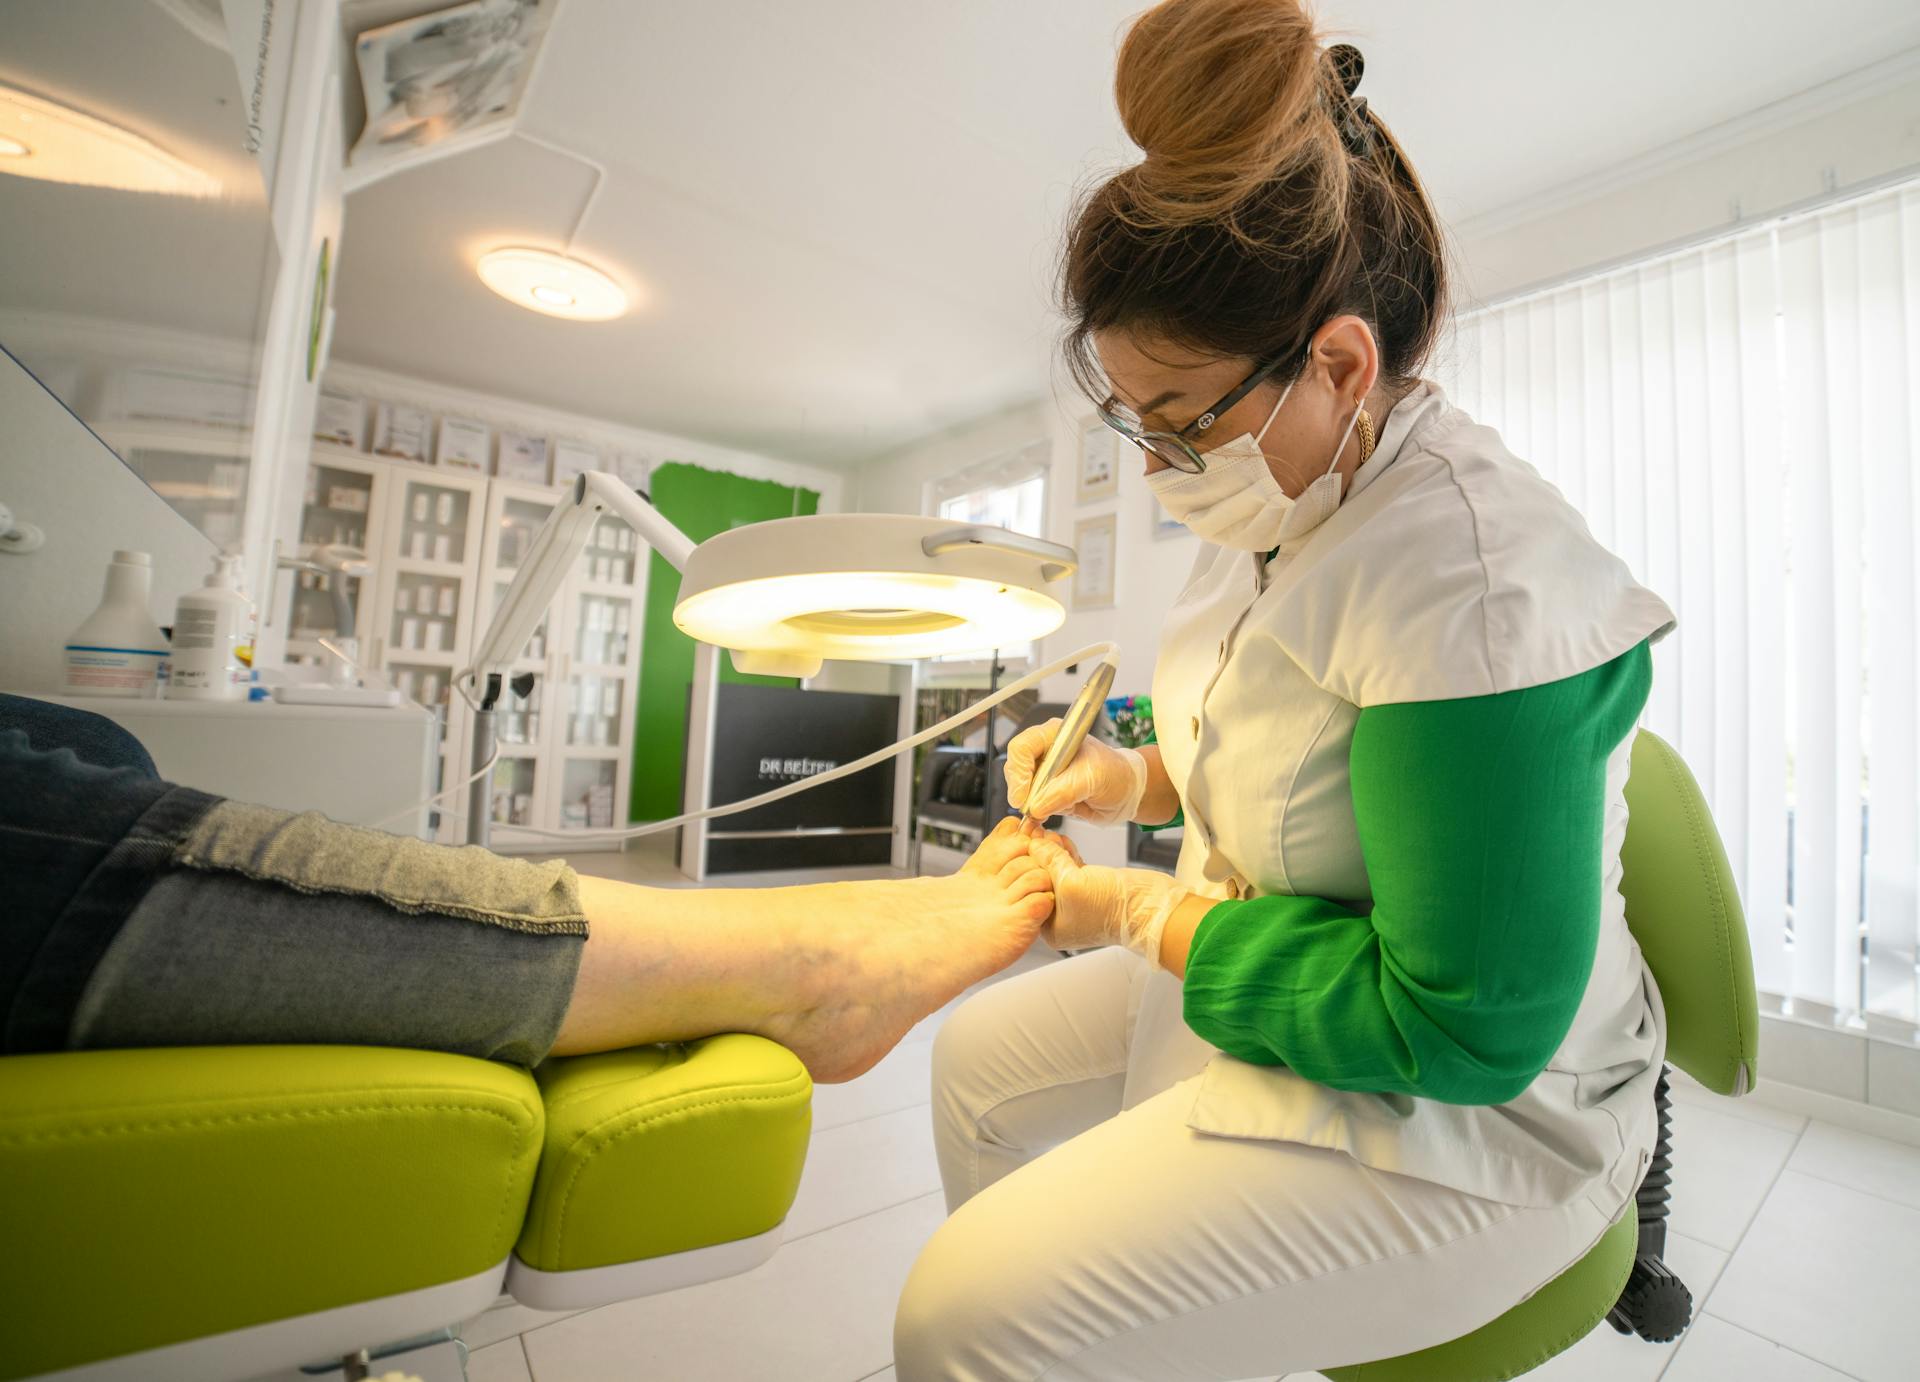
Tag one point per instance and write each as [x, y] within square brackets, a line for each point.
[1094, 905]
[1103, 785]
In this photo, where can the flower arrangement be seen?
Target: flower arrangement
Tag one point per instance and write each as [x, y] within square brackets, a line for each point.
[1132, 720]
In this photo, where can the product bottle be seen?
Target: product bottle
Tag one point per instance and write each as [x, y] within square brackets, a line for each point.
[211, 626]
[119, 650]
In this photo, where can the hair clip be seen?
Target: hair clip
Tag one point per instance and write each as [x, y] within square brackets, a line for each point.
[1351, 119]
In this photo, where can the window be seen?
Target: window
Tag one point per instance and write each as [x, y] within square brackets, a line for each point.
[1009, 491]
[1737, 421]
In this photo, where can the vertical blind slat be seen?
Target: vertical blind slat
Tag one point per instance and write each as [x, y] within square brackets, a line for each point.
[1741, 424]
[1756, 266]
[1811, 646]
[1889, 249]
[1730, 601]
[1847, 405]
[1691, 525]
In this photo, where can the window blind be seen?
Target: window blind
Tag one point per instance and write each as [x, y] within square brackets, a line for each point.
[1738, 421]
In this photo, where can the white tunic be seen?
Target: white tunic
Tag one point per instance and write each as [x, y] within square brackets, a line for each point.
[1451, 569]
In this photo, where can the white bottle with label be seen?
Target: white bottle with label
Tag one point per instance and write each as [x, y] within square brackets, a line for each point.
[119, 650]
[210, 628]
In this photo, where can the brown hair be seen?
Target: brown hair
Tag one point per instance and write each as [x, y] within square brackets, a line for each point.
[1269, 200]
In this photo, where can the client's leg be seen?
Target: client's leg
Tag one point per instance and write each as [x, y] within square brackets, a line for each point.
[836, 972]
[151, 915]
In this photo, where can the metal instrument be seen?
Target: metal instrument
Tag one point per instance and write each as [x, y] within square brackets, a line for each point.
[1074, 728]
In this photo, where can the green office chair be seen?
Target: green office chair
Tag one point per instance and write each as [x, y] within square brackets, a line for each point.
[1684, 912]
[223, 1212]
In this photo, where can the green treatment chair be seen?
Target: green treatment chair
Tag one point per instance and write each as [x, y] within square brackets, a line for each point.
[1683, 910]
[219, 1213]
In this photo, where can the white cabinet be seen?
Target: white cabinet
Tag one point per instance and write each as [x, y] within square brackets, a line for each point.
[345, 504]
[566, 748]
[445, 547]
[426, 590]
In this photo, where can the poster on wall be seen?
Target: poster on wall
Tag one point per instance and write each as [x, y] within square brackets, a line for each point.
[402, 432]
[1093, 539]
[522, 458]
[341, 420]
[1098, 473]
[572, 459]
[463, 444]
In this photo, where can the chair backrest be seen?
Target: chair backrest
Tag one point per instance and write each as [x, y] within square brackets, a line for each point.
[1685, 913]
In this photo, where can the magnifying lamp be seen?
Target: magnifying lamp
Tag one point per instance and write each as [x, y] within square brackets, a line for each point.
[784, 595]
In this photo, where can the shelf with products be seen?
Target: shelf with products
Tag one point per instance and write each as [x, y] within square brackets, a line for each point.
[343, 506]
[584, 659]
[444, 547]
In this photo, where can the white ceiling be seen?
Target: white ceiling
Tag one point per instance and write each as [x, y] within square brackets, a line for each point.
[840, 218]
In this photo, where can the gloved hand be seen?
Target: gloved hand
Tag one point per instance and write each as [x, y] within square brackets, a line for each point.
[1103, 784]
[1094, 905]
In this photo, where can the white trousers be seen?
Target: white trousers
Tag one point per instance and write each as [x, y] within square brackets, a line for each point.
[1088, 1241]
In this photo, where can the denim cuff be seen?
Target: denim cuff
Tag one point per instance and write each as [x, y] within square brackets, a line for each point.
[52, 980]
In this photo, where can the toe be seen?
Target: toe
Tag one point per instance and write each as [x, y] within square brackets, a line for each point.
[1032, 881]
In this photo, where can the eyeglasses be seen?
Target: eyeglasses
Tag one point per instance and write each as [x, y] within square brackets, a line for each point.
[1177, 449]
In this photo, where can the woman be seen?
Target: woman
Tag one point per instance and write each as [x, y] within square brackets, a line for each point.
[1378, 1060]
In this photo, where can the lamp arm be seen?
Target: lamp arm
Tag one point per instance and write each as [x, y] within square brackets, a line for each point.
[653, 526]
[556, 547]
[1055, 560]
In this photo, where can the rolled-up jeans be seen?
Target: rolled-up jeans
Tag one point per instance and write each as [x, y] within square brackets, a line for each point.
[147, 914]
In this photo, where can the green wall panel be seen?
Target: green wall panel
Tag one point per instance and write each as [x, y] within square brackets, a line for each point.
[700, 503]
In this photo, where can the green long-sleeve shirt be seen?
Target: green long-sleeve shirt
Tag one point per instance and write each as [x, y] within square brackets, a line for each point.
[1480, 822]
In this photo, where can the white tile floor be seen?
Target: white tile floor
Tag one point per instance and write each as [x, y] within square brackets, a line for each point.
[1799, 1240]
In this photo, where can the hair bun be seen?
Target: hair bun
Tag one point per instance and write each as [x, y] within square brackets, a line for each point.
[1224, 96]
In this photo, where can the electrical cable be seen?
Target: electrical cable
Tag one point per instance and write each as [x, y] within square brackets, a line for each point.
[425, 803]
[1109, 651]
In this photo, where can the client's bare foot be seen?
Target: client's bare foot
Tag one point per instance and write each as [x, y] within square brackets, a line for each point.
[889, 953]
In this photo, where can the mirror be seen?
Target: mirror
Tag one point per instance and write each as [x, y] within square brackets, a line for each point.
[139, 250]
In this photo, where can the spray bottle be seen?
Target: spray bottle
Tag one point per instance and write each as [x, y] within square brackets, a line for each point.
[119, 650]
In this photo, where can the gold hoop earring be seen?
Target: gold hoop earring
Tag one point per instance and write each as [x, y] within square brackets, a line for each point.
[1365, 428]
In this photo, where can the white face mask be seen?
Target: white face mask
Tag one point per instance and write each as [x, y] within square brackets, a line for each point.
[1237, 503]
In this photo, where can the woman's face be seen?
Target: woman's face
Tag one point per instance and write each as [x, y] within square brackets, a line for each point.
[1168, 386]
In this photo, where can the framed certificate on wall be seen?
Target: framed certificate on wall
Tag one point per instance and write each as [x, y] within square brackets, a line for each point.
[405, 433]
[1094, 539]
[571, 458]
[1097, 465]
[522, 458]
[463, 444]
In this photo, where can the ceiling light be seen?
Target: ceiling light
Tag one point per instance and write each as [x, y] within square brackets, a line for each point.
[552, 283]
[55, 143]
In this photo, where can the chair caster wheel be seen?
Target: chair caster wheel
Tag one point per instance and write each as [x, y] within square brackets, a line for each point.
[1656, 1304]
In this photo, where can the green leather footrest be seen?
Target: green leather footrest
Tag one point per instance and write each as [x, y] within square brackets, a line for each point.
[665, 1149]
[1550, 1321]
[154, 1196]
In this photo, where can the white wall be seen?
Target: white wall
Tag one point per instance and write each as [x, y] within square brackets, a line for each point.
[58, 475]
[1845, 134]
